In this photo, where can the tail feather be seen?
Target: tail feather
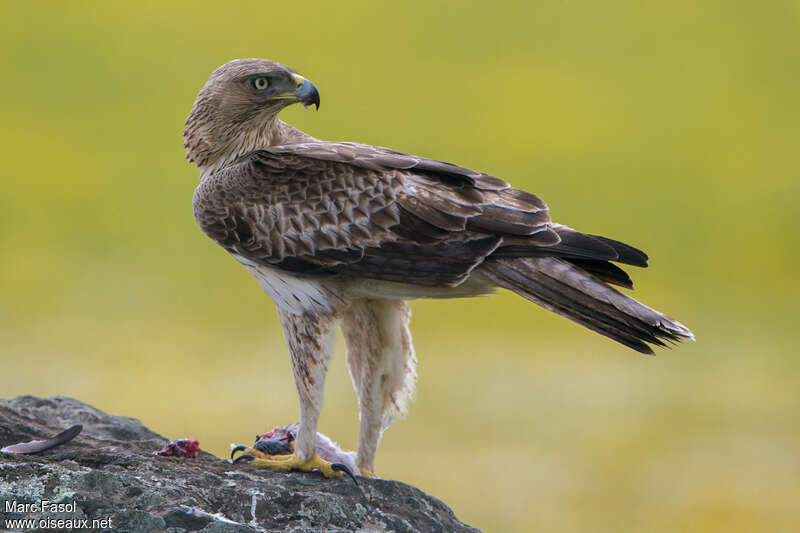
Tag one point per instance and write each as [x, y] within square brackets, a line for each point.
[572, 292]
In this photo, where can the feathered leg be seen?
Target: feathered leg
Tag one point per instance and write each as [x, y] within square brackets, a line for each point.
[382, 365]
[310, 341]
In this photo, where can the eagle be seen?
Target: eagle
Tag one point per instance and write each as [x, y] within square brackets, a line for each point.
[345, 234]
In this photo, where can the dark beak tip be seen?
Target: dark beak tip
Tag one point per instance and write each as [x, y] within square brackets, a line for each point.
[308, 94]
[314, 100]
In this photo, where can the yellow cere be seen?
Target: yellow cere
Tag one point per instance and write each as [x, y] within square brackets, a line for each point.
[299, 80]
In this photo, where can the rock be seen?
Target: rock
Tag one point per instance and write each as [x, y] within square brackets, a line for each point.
[109, 473]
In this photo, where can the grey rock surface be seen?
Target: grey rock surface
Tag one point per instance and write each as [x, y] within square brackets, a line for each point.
[110, 473]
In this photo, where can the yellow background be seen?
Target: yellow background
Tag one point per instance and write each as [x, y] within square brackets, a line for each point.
[673, 126]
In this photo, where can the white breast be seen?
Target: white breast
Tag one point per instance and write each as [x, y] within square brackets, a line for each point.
[291, 293]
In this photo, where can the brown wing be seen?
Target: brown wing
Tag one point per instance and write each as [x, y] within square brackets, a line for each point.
[317, 208]
[321, 208]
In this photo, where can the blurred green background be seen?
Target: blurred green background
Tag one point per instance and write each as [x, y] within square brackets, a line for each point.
[673, 126]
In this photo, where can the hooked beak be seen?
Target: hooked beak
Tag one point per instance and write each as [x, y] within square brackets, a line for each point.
[305, 92]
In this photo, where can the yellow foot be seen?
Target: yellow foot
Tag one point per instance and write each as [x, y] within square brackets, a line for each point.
[288, 462]
[367, 473]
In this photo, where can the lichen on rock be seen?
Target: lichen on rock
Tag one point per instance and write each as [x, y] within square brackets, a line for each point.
[110, 473]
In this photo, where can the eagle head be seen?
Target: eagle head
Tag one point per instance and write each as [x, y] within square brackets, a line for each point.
[235, 111]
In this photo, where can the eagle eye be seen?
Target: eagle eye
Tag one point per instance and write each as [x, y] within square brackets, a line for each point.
[260, 83]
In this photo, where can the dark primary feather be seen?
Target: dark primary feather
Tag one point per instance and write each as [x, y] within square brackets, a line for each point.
[605, 271]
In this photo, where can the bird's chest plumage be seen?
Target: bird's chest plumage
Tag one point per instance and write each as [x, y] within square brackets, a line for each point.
[295, 294]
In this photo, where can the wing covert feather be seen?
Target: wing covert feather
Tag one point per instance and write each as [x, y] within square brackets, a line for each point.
[315, 208]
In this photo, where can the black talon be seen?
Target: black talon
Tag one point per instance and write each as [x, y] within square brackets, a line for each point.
[340, 467]
[243, 457]
[239, 448]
